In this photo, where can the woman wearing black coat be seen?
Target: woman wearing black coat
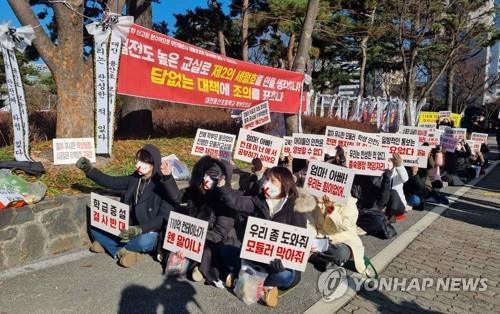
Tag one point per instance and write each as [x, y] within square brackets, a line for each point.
[276, 203]
[151, 192]
[202, 200]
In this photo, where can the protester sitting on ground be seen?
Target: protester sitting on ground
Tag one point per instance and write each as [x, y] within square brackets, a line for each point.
[457, 163]
[277, 202]
[414, 188]
[151, 192]
[445, 122]
[374, 192]
[396, 205]
[434, 164]
[478, 163]
[337, 224]
[202, 201]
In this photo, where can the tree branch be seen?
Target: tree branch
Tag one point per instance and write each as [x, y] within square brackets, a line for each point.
[43, 44]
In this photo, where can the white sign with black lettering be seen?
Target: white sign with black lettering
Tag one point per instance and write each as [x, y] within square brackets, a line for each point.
[307, 146]
[253, 144]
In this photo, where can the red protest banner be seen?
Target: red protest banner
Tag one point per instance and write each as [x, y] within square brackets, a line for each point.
[156, 66]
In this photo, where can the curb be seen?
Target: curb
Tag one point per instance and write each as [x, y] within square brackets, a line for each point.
[387, 254]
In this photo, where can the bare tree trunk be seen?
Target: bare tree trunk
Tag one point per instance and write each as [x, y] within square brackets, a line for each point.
[450, 83]
[244, 30]
[73, 76]
[302, 56]
[220, 27]
[362, 69]
[410, 85]
[137, 111]
[289, 50]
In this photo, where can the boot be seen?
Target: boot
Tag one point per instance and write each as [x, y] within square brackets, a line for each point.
[96, 247]
[128, 259]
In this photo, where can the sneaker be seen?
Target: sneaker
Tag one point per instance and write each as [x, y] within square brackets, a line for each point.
[229, 281]
[219, 284]
[408, 208]
[360, 231]
[96, 247]
[128, 258]
[271, 296]
[196, 274]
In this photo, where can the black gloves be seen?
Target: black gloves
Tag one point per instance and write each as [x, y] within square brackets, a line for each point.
[277, 265]
[84, 164]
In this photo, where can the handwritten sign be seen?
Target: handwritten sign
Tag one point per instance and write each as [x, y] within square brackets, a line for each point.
[256, 116]
[68, 150]
[370, 161]
[307, 146]
[212, 143]
[186, 234]
[108, 215]
[266, 240]
[253, 144]
[326, 179]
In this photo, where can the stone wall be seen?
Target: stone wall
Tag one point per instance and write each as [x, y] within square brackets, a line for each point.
[50, 227]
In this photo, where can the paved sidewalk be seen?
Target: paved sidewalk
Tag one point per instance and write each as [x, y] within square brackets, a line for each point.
[464, 242]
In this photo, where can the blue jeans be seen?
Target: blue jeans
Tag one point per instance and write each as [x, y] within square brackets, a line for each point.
[281, 280]
[145, 242]
[413, 200]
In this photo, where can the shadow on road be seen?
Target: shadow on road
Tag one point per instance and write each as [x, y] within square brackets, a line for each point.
[172, 296]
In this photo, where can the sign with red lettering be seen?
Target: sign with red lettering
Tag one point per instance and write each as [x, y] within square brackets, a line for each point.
[266, 240]
[287, 145]
[448, 143]
[326, 179]
[306, 146]
[475, 146]
[434, 137]
[479, 137]
[212, 143]
[420, 132]
[68, 150]
[108, 215]
[367, 139]
[339, 137]
[408, 147]
[253, 144]
[369, 161]
[186, 234]
[157, 66]
[256, 116]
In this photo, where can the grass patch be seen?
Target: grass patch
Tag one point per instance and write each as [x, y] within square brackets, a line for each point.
[70, 180]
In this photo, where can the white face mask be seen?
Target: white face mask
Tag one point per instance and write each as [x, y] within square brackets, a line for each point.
[208, 183]
[143, 168]
[270, 190]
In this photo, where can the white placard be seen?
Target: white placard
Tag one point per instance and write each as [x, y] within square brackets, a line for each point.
[69, 150]
[369, 161]
[458, 133]
[287, 145]
[428, 125]
[367, 139]
[479, 137]
[475, 146]
[306, 146]
[186, 234]
[256, 116]
[339, 137]
[108, 215]
[266, 240]
[253, 144]
[408, 147]
[326, 179]
[448, 143]
[444, 114]
[212, 143]
[433, 137]
[420, 132]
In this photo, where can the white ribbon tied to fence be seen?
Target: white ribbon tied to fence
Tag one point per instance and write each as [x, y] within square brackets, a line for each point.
[106, 73]
[12, 39]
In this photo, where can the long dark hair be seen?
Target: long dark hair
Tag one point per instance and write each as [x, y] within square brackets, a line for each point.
[286, 178]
